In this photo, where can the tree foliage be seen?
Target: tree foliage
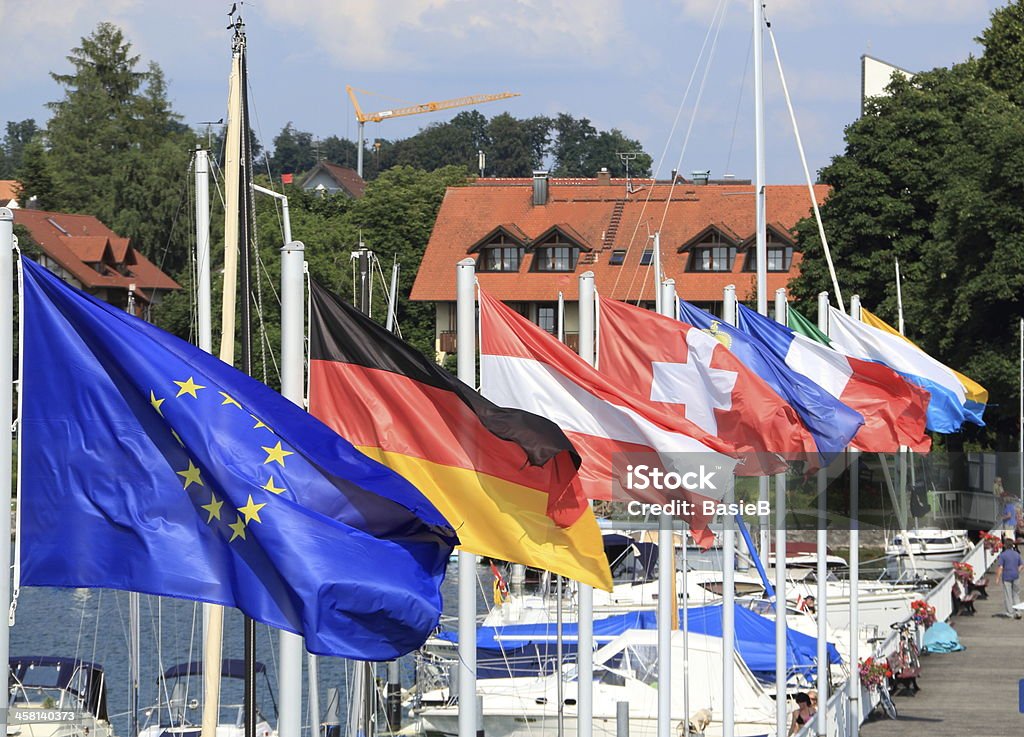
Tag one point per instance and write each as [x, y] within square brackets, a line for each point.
[933, 175]
[16, 137]
[113, 147]
[514, 147]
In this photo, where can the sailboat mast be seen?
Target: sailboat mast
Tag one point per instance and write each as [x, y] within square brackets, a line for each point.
[245, 240]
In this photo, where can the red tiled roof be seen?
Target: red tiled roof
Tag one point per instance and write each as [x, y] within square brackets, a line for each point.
[75, 241]
[9, 189]
[469, 213]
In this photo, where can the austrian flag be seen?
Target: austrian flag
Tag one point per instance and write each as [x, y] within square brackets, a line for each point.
[611, 426]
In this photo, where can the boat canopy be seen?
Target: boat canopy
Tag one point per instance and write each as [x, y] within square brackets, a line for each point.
[230, 668]
[82, 679]
[755, 639]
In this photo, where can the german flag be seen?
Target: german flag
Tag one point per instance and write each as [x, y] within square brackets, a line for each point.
[505, 479]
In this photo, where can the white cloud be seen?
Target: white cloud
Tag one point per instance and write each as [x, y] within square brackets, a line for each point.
[421, 33]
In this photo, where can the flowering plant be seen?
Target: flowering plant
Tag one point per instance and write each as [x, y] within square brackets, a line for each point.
[964, 571]
[922, 612]
[873, 672]
[993, 543]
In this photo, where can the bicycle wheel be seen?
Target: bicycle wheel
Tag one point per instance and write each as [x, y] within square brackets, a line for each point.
[888, 707]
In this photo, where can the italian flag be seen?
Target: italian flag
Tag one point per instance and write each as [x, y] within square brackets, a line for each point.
[894, 409]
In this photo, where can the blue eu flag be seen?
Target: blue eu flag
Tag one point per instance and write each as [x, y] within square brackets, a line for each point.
[149, 465]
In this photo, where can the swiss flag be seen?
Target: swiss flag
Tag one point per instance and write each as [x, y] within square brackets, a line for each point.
[687, 371]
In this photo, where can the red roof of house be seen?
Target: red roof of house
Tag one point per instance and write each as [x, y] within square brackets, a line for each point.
[91, 252]
[608, 219]
[347, 179]
[8, 190]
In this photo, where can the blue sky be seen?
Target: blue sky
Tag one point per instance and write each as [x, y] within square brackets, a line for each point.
[621, 64]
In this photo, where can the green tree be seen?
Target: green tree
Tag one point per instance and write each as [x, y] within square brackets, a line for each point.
[579, 150]
[933, 175]
[1002, 64]
[115, 149]
[293, 151]
[515, 148]
[17, 136]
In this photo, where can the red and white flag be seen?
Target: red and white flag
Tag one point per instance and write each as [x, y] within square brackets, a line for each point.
[688, 371]
[524, 367]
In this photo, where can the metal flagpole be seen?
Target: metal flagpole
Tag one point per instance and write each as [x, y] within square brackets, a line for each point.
[561, 317]
[728, 576]
[760, 226]
[293, 365]
[666, 572]
[6, 441]
[899, 299]
[293, 385]
[1021, 427]
[585, 631]
[854, 682]
[657, 274]
[686, 637]
[465, 315]
[781, 634]
[822, 572]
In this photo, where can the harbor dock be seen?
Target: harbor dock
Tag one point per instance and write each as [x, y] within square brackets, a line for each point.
[971, 693]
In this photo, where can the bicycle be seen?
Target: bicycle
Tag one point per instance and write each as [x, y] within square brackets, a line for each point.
[885, 700]
[906, 662]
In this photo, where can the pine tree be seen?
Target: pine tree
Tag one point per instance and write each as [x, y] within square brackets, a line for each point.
[116, 149]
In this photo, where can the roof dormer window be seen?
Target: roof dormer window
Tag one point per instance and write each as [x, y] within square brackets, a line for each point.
[500, 251]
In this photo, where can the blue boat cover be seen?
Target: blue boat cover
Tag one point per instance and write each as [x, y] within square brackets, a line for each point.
[755, 639]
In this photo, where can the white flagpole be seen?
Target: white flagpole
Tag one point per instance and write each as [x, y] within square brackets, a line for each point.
[760, 226]
[466, 361]
[561, 317]
[667, 602]
[293, 384]
[822, 573]
[657, 274]
[585, 631]
[899, 299]
[728, 577]
[854, 693]
[6, 399]
[781, 635]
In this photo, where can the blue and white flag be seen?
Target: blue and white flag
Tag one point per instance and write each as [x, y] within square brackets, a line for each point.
[151, 466]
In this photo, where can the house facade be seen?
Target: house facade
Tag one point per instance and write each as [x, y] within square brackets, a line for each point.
[90, 256]
[531, 239]
[333, 179]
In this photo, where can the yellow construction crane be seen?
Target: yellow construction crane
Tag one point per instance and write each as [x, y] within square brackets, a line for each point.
[426, 107]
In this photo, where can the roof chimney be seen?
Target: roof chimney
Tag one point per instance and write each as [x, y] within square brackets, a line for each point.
[701, 177]
[604, 176]
[540, 188]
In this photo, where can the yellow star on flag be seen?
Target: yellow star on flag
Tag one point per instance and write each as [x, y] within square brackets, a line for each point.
[273, 489]
[277, 453]
[228, 399]
[188, 387]
[237, 529]
[213, 508]
[155, 402]
[251, 511]
[176, 437]
[259, 423]
[191, 475]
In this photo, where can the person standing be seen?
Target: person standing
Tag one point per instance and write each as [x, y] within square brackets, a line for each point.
[1008, 568]
[1008, 519]
[997, 486]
